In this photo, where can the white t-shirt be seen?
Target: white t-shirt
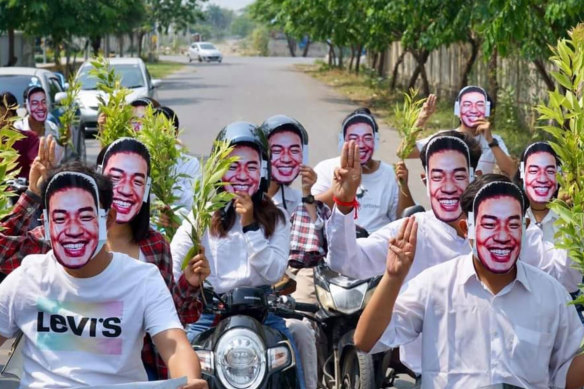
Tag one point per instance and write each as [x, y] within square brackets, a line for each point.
[84, 331]
[487, 161]
[378, 194]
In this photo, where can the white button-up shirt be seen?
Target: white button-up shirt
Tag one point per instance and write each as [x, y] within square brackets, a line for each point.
[238, 259]
[526, 335]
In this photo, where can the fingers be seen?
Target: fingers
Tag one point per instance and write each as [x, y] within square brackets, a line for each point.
[352, 155]
[411, 229]
[344, 154]
[41, 148]
[402, 229]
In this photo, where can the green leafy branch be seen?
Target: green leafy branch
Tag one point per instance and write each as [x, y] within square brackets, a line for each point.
[159, 136]
[69, 118]
[8, 164]
[208, 195]
[406, 116]
[112, 103]
[565, 112]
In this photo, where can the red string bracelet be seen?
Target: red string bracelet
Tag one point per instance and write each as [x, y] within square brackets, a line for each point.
[354, 204]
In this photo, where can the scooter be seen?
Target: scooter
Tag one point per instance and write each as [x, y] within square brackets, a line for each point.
[242, 352]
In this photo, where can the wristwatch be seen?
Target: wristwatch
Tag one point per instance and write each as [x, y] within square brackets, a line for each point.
[308, 199]
[494, 143]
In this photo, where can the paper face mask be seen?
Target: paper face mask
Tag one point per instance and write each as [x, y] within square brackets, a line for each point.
[498, 221]
[244, 175]
[286, 150]
[74, 224]
[447, 177]
[472, 108]
[129, 174]
[362, 134]
[37, 106]
[539, 177]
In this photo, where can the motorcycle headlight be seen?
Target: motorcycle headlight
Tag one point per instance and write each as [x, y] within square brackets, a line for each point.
[279, 357]
[348, 301]
[325, 299]
[206, 359]
[240, 359]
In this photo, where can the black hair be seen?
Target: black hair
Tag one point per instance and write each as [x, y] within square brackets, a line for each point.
[436, 144]
[140, 224]
[471, 89]
[360, 115]
[9, 102]
[104, 184]
[533, 148]
[32, 89]
[169, 114]
[467, 200]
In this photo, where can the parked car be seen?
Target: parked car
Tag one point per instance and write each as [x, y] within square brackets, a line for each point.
[204, 51]
[16, 79]
[134, 76]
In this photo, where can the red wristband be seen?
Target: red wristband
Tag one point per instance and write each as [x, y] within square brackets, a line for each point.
[354, 204]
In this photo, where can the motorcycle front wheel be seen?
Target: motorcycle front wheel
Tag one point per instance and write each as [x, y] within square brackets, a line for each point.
[357, 371]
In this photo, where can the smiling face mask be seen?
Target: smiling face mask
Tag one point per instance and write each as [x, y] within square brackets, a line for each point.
[286, 156]
[496, 226]
[75, 225]
[244, 175]
[539, 177]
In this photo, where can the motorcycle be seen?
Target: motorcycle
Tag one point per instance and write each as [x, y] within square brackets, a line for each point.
[242, 352]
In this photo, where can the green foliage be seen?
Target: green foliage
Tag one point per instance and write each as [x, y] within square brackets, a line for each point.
[208, 196]
[565, 109]
[8, 164]
[406, 116]
[69, 119]
[159, 136]
[260, 38]
[242, 25]
[112, 103]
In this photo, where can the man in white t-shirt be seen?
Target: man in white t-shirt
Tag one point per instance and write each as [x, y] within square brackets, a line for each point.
[380, 197]
[472, 107]
[487, 318]
[83, 310]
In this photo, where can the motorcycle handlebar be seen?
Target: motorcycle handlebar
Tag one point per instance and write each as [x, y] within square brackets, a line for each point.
[304, 307]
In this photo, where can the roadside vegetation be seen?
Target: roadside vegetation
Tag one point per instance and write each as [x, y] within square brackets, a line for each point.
[162, 69]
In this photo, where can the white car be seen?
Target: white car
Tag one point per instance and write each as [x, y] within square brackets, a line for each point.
[134, 76]
[204, 51]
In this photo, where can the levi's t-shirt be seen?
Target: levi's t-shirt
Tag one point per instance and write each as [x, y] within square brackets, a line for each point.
[84, 331]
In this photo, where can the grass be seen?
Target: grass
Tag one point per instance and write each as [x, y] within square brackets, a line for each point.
[374, 92]
[162, 69]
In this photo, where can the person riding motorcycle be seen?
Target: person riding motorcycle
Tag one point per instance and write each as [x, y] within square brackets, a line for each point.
[248, 241]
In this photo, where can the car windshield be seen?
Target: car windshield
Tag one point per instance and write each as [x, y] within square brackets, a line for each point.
[16, 84]
[207, 46]
[130, 74]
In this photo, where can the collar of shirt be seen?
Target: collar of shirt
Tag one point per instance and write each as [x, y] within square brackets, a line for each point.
[429, 216]
[549, 218]
[468, 272]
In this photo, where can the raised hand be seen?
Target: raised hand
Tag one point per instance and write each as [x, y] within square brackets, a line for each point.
[308, 179]
[428, 110]
[401, 172]
[402, 249]
[347, 177]
[42, 164]
[198, 269]
[244, 207]
[484, 129]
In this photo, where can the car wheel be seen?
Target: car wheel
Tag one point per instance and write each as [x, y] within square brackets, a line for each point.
[200, 59]
[190, 59]
[220, 61]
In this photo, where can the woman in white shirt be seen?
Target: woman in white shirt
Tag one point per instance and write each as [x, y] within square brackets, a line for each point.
[248, 241]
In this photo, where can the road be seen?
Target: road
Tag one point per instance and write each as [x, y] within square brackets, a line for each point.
[206, 97]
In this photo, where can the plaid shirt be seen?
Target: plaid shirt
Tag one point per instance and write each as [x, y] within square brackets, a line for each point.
[307, 240]
[16, 242]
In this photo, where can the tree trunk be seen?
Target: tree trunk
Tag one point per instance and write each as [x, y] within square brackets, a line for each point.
[469, 62]
[305, 52]
[493, 86]
[341, 57]
[131, 44]
[11, 57]
[140, 39]
[421, 58]
[57, 56]
[95, 45]
[399, 61]
[291, 45]
[381, 64]
[374, 60]
[549, 82]
[352, 60]
[121, 45]
[359, 51]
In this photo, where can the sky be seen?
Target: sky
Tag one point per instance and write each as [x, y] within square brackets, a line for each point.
[231, 4]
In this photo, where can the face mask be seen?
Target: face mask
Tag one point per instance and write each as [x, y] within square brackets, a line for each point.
[496, 229]
[288, 154]
[538, 173]
[245, 174]
[74, 225]
[447, 176]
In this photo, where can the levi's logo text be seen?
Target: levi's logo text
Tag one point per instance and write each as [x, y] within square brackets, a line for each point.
[94, 328]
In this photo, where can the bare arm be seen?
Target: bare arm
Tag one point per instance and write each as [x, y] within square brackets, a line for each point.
[405, 197]
[326, 197]
[504, 162]
[575, 376]
[377, 314]
[179, 356]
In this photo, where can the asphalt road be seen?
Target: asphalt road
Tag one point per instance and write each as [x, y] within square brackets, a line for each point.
[206, 97]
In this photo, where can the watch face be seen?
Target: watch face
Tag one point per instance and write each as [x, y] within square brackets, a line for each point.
[308, 199]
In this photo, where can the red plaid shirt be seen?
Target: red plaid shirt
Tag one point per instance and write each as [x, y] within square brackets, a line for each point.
[16, 242]
[307, 241]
